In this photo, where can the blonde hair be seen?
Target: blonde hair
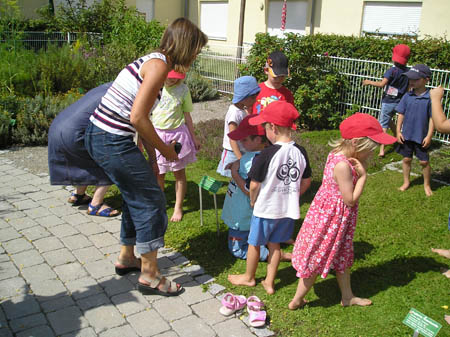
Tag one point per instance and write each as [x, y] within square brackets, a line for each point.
[181, 42]
[345, 145]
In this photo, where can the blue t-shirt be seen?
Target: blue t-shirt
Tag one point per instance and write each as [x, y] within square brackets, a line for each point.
[417, 114]
[237, 212]
[397, 84]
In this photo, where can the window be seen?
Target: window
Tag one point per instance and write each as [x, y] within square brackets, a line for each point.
[391, 18]
[296, 13]
[213, 19]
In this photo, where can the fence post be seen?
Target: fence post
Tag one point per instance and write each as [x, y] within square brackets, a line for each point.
[68, 38]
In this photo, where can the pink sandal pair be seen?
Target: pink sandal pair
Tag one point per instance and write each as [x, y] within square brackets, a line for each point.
[232, 303]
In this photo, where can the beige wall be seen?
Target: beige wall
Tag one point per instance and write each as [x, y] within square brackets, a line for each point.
[28, 7]
[332, 17]
[168, 10]
[435, 20]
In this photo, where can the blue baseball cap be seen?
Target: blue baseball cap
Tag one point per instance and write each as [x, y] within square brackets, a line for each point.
[418, 71]
[244, 87]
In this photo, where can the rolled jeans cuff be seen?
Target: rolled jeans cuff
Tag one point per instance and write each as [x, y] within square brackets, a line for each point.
[128, 241]
[150, 246]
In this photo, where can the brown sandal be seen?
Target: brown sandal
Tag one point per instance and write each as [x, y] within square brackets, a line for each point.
[169, 288]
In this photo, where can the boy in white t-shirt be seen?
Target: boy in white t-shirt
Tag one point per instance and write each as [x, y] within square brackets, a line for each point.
[245, 91]
[279, 175]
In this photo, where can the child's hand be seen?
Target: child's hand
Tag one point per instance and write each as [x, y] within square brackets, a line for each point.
[400, 138]
[426, 142]
[437, 93]
[359, 168]
[196, 143]
[365, 82]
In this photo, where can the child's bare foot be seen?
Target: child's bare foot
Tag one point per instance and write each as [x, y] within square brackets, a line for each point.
[285, 256]
[241, 280]
[268, 287]
[404, 187]
[428, 191]
[363, 302]
[177, 215]
[445, 272]
[442, 252]
[294, 305]
[381, 154]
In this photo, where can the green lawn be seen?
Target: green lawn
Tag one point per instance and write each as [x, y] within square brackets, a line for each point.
[394, 266]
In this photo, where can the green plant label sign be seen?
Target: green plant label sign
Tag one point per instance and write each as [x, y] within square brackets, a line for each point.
[421, 323]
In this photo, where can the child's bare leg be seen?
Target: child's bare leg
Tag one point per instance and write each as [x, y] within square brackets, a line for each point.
[348, 298]
[247, 279]
[406, 165]
[426, 170]
[303, 287]
[161, 180]
[442, 252]
[273, 260]
[381, 154]
[180, 192]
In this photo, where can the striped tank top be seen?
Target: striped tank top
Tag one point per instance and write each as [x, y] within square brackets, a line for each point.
[113, 112]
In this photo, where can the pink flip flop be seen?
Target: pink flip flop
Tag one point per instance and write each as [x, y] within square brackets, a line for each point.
[256, 316]
[232, 303]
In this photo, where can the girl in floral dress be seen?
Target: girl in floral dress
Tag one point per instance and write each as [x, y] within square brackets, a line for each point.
[325, 240]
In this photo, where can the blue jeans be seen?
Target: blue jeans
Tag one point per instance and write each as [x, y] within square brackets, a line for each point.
[144, 218]
[386, 113]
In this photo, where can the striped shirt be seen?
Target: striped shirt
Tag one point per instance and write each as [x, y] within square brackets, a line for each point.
[113, 112]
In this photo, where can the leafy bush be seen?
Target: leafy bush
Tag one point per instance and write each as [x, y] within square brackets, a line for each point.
[200, 88]
[5, 125]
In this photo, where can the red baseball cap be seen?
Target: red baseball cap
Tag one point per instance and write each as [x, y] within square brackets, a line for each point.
[364, 125]
[175, 74]
[244, 129]
[400, 53]
[280, 113]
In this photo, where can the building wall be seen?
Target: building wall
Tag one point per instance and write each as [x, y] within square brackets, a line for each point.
[29, 7]
[168, 10]
[435, 18]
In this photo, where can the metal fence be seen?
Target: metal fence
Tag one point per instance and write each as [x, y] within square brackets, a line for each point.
[222, 69]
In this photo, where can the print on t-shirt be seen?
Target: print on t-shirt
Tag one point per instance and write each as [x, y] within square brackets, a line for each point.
[265, 101]
[288, 172]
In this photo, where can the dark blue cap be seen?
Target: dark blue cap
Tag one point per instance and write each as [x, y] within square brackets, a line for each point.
[419, 71]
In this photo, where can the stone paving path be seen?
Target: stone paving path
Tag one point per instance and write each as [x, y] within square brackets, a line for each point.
[57, 275]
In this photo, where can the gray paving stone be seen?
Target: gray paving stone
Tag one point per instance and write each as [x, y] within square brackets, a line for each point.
[12, 215]
[27, 258]
[9, 234]
[164, 262]
[59, 257]
[120, 331]
[63, 210]
[104, 317]
[19, 306]
[112, 226]
[170, 333]
[12, 287]
[37, 212]
[83, 287]
[261, 332]
[48, 290]
[3, 224]
[48, 188]
[192, 326]
[25, 204]
[172, 272]
[64, 230]
[232, 328]
[27, 189]
[35, 233]
[59, 194]
[93, 301]
[17, 245]
[172, 308]
[103, 240]
[130, 302]
[70, 271]
[38, 195]
[139, 322]
[50, 202]
[215, 289]
[194, 293]
[88, 254]
[8, 270]
[209, 311]
[75, 219]
[90, 228]
[180, 261]
[38, 331]
[38, 273]
[194, 270]
[115, 284]
[48, 244]
[67, 320]
[21, 223]
[182, 279]
[76, 241]
[27, 322]
[5, 206]
[26, 176]
[49, 221]
[110, 249]
[100, 269]
[57, 304]
[205, 279]
[87, 332]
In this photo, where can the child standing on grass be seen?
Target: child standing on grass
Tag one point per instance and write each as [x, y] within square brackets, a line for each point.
[395, 86]
[236, 211]
[173, 123]
[325, 240]
[276, 69]
[279, 176]
[245, 91]
[415, 126]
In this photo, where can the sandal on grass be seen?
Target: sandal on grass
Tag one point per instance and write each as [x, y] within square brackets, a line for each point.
[79, 199]
[123, 269]
[107, 212]
[256, 316]
[232, 303]
[168, 288]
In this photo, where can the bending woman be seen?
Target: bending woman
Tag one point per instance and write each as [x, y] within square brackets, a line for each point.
[123, 111]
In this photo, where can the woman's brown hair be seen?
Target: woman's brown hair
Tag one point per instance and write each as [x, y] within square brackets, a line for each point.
[181, 42]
